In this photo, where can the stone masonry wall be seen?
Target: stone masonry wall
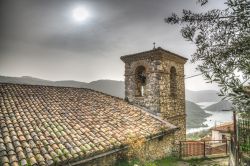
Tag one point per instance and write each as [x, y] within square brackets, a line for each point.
[173, 107]
[159, 148]
[156, 148]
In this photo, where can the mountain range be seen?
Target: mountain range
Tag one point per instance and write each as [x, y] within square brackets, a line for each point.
[202, 96]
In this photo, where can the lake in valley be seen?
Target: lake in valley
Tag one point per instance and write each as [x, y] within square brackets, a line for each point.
[216, 118]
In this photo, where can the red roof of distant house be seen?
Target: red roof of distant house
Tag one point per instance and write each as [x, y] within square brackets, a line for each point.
[225, 127]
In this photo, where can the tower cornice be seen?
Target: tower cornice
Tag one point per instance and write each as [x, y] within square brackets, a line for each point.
[155, 54]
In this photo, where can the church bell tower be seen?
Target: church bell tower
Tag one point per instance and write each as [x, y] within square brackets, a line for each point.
[155, 80]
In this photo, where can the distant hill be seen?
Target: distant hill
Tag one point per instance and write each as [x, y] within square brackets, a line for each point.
[70, 83]
[195, 115]
[24, 80]
[115, 88]
[37, 81]
[222, 105]
[202, 96]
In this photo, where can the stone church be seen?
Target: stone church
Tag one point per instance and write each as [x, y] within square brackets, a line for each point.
[48, 125]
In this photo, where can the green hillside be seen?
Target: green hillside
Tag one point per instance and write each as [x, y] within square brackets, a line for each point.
[195, 115]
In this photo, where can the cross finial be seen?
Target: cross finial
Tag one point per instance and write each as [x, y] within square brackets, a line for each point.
[154, 45]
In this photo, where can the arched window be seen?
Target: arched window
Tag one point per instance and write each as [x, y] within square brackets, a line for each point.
[173, 82]
[140, 80]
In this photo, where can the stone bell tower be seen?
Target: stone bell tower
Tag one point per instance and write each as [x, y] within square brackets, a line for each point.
[155, 80]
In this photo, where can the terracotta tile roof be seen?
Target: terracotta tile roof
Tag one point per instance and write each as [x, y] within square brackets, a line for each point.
[225, 127]
[44, 125]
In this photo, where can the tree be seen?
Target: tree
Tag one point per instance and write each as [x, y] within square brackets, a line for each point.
[222, 39]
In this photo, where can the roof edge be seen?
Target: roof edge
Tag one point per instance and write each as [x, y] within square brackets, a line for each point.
[81, 161]
[53, 86]
[150, 113]
[126, 57]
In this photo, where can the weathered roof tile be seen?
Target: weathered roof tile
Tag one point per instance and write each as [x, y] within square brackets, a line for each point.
[5, 159]
[13, 158]
[9, 146]
[21, 155]
[32, 160]
[19, 149]
[6, 164]
[23, 162]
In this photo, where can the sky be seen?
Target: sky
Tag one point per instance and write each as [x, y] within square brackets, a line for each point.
[43, 39]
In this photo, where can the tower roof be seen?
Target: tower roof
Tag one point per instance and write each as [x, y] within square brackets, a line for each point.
[157, 53]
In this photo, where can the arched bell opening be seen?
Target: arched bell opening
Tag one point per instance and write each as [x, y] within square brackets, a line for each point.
[173, 82]
[140, 80]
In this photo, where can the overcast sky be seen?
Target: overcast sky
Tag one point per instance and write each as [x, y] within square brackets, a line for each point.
[41, 38]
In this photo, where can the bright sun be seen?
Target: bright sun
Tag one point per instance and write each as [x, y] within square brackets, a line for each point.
[80, 14]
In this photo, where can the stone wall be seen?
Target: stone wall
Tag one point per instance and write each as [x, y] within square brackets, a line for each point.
[160, 147]
[181, 123]
[173, 106]
[155, 149]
